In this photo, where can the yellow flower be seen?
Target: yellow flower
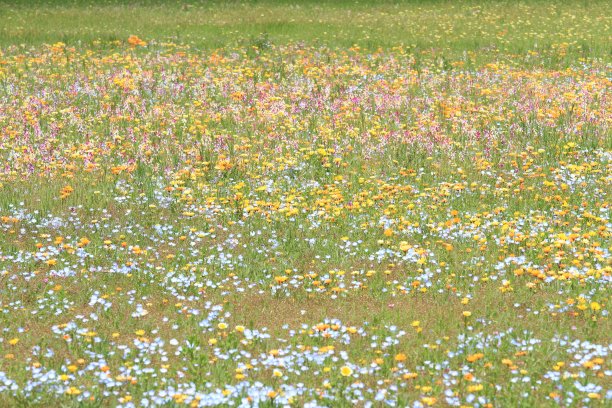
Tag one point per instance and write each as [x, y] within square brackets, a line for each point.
[467, 313]
[14, 341]
[346, 371]
[474, 388]
[73, 391]
[595, 306]
[404, 246]
[429, 401]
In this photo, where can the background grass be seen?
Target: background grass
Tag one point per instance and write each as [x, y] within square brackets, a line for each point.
[452, 27]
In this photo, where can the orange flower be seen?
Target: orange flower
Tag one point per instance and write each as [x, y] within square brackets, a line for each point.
[65, 192]
[474, 357]
[135, 41]
[224, 165]
[280, 279]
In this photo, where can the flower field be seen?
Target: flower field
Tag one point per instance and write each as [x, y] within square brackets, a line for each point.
[295, 222]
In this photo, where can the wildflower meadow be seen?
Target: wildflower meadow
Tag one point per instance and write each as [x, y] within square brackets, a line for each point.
[318, 204]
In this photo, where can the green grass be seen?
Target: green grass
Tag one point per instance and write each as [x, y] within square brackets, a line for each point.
[449, 27]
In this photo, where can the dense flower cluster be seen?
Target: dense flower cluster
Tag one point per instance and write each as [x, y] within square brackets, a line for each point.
[303, 226]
